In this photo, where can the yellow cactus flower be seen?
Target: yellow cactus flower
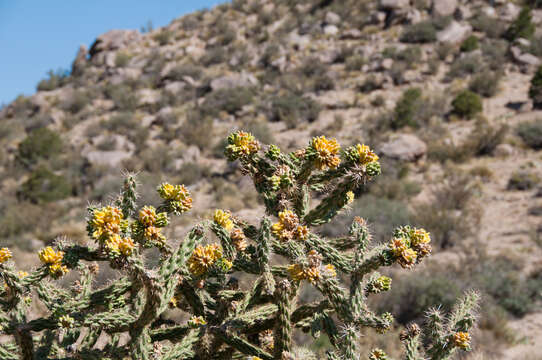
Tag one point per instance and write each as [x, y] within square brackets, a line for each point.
[22, 274]
[407, 258]
[330, 271]
[326, 152]
[105, 222]
[350, 197]
[301, 232]
[298, 273]
[223, 218]
[196, 321]
[66, 321]
[398, 245]
[176, 193]
[461, 340]
[173, 302]
[419, 236]
[49, 256]
[57, 269]
[365, 154]
[5, 255]
[239, 239]
[152, 233]
[119, 245]
[147, 215]
[241, 143]
[203, 258]
[288, 227]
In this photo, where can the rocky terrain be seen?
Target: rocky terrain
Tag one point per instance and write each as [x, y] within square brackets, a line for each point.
[440, 88]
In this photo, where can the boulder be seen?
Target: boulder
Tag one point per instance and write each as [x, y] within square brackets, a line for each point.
[454, 33]
[114, 40]
[393, 4]
[504, 150]
[148, 96]
[234, 80]
[351, 34]
[80, 61]
[509, 12]
[110, 158]
[524, 58]
[444, 7]
[332, 18]
[331, 30]
[405, 147]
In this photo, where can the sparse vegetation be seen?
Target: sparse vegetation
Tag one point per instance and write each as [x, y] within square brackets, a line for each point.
[535, 91]
[41, 143]
[55, 80]
[531, 133]
[523, 180]
[522, 27]
[422, 32]
[467, 104]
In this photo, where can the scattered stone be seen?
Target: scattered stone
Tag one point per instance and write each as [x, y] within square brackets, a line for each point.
[405, 147]
[454, 33]
[80, 61]
[444, 7]
[524, 58]
[393, 4]
[504, 150]
[234, 80]
[332, 18]
[509, 12]
[331, 30]
[148, 96]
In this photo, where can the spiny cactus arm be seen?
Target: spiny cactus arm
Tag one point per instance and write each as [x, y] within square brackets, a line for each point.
[255, 320]
[184, 349]
[140, 343]
[191, 296]
[332, 355]
[348, 345]
[114, 321]
[283, 326]
[463, 314]
[411, 343]
[374, 259]
[241, 344]
[128, 196]
[337, 297]
[302, 201]
[173, 333]
[330, 255]
[90, 339]
[225, 240]
[330, 206]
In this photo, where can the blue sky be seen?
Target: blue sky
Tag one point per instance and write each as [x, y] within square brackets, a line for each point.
[39, 35]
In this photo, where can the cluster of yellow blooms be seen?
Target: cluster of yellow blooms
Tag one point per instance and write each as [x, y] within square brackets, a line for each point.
[461, 340]
[223, 218]
[241, 143]
[5, 255]
[178, 195]
[365, 155]
[314, 271]
[411, 245]
[288, 227]
[204, 257]
[326, 152]
[107, 223]
[148, 219]
[239, 239]
[53, 259]
[66, 321]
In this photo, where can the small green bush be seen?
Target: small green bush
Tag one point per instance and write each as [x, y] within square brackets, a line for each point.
[463, 66]
[522, 27]
[163, 37]
[197, 130]
[406, 108]
[77, 102]
[531, 133]
[492, 27]
[293, 109]
[122, 59]
[469, 44]
[180, 71]
[467, 104]
[486, 83]
[41, 143]
[228, 100]
[215, 55]
[535, 91]
[523, 180]
[422, 32]
[355, 63]
[484, 138]
[44, 186]
[123, 96]
[55, 80]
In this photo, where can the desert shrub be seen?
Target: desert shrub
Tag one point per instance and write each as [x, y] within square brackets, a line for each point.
[123, 96]
[119, 122]
[531, 133]
[469, 44]
[55, 80]
[12, 224]
[495, 54]
[197, 130]
[523, 180]
[406, 108]
[535, 91]
[467, 104]
[466, 65]
[522, 27]
[41, 143]
[260, 130]
[442, 22]
[163, 36]
[122, 59]
[422, 32]
[228, 100]
[370, 84]
[355, 63]
[486, 83]
[77, 101]
[191, 173]
[157, 159]
[444, 49]
[484, 138]
[492, 27]
[293, 109]
[323, 83]
[214, 55]
[44, 186]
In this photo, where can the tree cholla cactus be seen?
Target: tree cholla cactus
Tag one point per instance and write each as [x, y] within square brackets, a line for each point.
[228, 319]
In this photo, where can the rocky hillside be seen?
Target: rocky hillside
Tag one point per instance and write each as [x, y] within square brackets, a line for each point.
[440, 88]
